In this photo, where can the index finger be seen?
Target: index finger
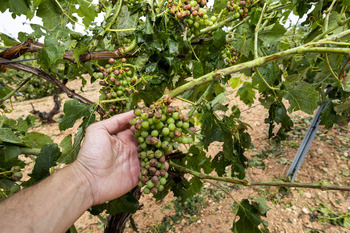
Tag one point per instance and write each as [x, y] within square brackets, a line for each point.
[116, 123]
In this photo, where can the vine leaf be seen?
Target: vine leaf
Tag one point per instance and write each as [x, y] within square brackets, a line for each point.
[301, 96]
[125, 204]
[11, 152]
[51, 52]
[36, 140]
[6, 135]
[73, 110]
[17, 7]
[272, 34]
[47, 158]
[87, 12]
[246, 93]
[50, 13]
[250, 216]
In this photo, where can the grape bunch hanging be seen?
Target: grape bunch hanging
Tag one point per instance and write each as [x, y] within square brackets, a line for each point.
[118, 83]
[241, 8]
[159, 129]
[194, 12]
[230, 54]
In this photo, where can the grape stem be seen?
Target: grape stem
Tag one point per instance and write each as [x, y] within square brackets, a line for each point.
[245, 182]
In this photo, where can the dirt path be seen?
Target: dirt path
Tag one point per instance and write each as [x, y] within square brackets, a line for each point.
[328, 160]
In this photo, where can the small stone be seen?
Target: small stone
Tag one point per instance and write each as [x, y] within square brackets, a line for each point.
[346, 154]
[308, 195]
[289, 209]
[325, 170]
[319, 151]
[199, 221]
[305, 210]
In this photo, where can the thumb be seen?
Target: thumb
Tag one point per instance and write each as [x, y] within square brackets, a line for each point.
[116, 123]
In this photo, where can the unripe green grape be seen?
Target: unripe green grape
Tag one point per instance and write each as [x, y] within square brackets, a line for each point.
[140, 139]
[158, 154]
[144, 116]
[170, 120]
[154, 133]
[166, 175]
[165, 131]
[146, 191]
[184, 140]
[159, 125]
[163, 117]
[172, 127]
[140, 176]
[140, 184]
[143, 145]
[143, 164]
[186, 125]
[160, 188]
[133, 121]
[179, 124]
[144, 133]
[145, 124]
[162, 181]
[175, 115]
[150, 184]
[159, 144]
[150, 121]
[159, 165]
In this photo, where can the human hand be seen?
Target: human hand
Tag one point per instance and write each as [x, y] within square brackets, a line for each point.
[108, 158]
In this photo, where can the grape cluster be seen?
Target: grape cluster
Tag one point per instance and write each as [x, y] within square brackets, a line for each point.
[159, 129]
[194, 12]
[118, 83]
[230, 54]
[240, 8]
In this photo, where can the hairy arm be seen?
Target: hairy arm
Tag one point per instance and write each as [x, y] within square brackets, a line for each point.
[106, 168]
[53, 205]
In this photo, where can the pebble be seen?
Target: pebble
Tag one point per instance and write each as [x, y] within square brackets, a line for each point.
[199, 221]
[308, 195]
[325, 169]
[319, 151]
[305, 210]
[346, 154]
[289, 209]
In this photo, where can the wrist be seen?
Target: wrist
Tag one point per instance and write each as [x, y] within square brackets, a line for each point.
[84, 179]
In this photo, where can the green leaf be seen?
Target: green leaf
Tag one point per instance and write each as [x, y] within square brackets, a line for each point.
[7, 40]
[345, 3]
[219, 38]
[301, 96]
[66, 146]
[87, 12]
[71, 153]
[126, 20]
[18, 7]
[51, 52]
[6, 135]
[197, 160]
[125, 204]
[11, 152]
[36, 140]
[50, 13]
[195, 187]
[73, 110]
[235, 82]
[272, 34]
[329, 117]
[249, 217]
[246, 93]
[47, 158]
[148, 26]
[197, 69]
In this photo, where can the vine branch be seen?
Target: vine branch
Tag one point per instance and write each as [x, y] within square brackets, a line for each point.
[245, 182]
[42, 74]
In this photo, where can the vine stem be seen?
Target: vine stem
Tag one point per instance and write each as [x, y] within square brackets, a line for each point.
[115, 16]
[248, 183]
[65, 13]
[9, 95]
[42, 74]
[121, 30]
[215, 75]
[185, 100]
[257, 28]
[340, 24]
[325, 29]
[113, 100]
